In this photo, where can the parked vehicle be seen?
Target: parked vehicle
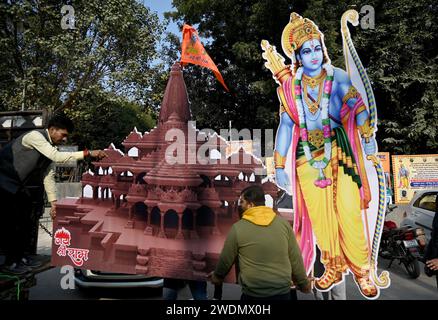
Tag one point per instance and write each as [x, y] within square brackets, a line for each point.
[420, 211]
[404, 244]
[97, 279]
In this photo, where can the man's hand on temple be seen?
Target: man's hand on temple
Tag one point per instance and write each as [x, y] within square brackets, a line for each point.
[99, 154]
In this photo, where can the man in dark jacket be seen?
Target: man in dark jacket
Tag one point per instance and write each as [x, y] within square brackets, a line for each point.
[268, 254]
[26, 169]
[431, 255]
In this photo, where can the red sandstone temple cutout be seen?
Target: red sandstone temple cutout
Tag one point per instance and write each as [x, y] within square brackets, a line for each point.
[150, 217]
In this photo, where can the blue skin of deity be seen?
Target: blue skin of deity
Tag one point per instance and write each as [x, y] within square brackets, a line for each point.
[311, 57]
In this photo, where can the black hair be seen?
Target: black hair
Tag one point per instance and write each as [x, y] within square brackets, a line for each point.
[61, 121]
[254, 194]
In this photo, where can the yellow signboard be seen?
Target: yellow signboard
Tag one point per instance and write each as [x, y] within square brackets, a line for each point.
[385, 161]
[413, 173]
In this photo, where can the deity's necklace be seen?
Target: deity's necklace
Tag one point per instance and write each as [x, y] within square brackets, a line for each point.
[322, 181]
[313, 106]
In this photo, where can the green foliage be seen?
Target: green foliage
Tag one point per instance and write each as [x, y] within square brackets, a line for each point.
[102, 119]
[112, 46]
[234, 30]
[400, 56]
[105, 67]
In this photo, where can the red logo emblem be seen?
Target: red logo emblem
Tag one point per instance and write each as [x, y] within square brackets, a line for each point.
[62, 239]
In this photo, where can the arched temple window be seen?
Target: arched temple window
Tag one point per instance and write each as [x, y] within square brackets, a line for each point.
[88, 191]
[205, 216]
[141, 211]
[187, 219]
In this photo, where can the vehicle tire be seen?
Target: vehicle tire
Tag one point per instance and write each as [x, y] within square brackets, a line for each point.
[413, 268]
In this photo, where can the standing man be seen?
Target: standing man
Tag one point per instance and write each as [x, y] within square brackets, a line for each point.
[24, 163]
[268, 254]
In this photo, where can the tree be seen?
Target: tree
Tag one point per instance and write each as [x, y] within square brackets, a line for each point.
[113, 47]
[235, 29]
[102, 118]
[400, 56]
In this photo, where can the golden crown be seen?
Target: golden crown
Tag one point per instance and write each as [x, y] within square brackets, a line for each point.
[296, 32]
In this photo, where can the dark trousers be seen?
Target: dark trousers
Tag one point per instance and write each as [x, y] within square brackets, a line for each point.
[286, 296]
[218, 292]
[293, 294]
[172, 286]
[15, 224]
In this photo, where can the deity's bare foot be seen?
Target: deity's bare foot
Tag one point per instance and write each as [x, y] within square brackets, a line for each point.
[328, 279]
[366, 286]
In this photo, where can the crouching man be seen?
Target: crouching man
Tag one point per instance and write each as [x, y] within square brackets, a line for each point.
[26, 165]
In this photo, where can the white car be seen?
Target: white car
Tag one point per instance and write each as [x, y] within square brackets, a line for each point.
[421, 211]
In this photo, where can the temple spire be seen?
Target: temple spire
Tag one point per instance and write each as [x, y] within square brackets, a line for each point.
[175, 97]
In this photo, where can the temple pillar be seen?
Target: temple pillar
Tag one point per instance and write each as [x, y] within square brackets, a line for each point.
[149, 230]
[179, 234]
[193, 232]
[161, 233]
[130, 222]
[215, 231]
[131, 212]
[95, 192]
[230, 209]
[117, 198]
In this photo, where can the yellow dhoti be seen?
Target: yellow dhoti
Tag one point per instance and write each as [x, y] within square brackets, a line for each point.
[404, 182]
[335, 213]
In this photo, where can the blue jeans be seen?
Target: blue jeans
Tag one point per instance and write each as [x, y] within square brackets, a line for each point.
[198, 289]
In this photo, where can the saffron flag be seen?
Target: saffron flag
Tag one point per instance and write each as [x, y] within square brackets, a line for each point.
[193, 52]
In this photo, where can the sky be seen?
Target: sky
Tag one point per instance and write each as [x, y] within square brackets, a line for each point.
[161, 6]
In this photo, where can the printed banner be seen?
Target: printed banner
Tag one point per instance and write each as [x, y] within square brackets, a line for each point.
[413, 173]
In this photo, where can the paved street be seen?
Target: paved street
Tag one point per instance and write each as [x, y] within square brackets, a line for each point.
[402, 287]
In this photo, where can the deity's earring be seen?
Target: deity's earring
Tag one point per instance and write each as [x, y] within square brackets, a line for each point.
[300, 63]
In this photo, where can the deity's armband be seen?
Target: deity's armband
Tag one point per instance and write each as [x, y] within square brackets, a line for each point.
[279, 160]
[359, 105]
[351, 94]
